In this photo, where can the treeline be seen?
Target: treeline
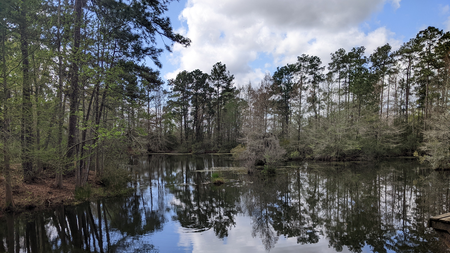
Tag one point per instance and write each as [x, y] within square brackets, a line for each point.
[74, 86]
[390, 103]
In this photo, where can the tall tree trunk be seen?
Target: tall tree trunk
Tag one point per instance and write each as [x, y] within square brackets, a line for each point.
[59, 108]
[396, 96]
[388, 95]
[6, 126]
[218, 122]
[37, 87]
[27, 122]
[381, 96]
[197, 121]
[73, 96]
[84, 164]
[339, 90]
[186, 136]
[181, 130]
[408, 72]
[300, 112]
[98, 118]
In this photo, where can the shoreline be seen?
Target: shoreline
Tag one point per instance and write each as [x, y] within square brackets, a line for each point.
[41, 195]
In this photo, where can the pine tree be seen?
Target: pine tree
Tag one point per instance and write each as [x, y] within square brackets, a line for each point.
[222, 82]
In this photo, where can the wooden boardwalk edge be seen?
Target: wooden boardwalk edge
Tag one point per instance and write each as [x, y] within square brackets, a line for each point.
[440, 217]
[441, 224]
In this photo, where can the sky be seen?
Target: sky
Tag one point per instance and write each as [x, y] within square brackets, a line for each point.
[254, 37]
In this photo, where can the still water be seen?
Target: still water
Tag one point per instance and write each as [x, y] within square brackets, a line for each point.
[306, 207]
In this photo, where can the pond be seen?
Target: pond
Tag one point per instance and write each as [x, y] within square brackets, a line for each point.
[306, 207]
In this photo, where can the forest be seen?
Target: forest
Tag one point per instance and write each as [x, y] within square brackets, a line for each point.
[76, 93]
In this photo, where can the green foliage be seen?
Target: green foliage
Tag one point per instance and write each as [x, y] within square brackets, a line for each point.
[200, 102]
[420, 157]
[184, 148]
[115, 178]
[83, 193]
[197, 148]
[294, 154]
[171, 142]
[283, 87]
[285, 142]
[269, 167]
[269, 170]
[217, 179]
[100, 73]
[238, 151]
[227, 147]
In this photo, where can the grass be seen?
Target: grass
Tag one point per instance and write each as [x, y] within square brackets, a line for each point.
[217, 179]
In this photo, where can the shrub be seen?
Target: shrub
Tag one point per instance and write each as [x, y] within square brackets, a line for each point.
[198, 148]
[238, 151]
[264, 148]
[294, 155]
[269, 170]
[115, 178]
[184, 148]
[83, 193]
[215, 175]
[227, 147]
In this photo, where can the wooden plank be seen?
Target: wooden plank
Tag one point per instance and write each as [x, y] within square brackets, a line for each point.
[440, 216]
[445, 220]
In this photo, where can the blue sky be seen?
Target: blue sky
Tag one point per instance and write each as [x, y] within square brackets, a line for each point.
[254, 37]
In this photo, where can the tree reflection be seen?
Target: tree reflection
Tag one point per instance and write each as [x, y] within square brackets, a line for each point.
[353, 206]
[383, 207]
[108, 225]
[202, 206]
[260, 203]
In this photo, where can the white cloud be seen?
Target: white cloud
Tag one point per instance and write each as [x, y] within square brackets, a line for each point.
[445, 9]
[240, 240]
[395, 3]
[235, 32]
[447, 24]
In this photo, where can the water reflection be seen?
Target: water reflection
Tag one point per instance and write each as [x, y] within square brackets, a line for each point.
[338, 207]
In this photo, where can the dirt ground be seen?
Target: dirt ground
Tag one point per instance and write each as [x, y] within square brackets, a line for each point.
[40, 194]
